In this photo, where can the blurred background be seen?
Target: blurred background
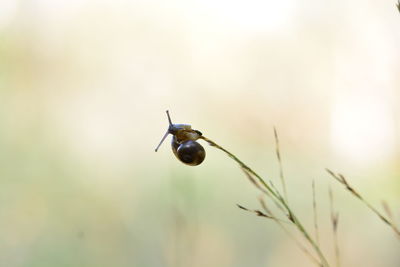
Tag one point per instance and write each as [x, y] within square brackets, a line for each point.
[84, 86]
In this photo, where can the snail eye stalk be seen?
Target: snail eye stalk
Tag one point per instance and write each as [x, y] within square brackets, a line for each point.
[162, 140]
[169, 118]
[166, 134]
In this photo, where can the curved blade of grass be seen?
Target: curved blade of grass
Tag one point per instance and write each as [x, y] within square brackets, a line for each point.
[274, 195]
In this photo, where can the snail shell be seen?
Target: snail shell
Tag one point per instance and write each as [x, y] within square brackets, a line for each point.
[189, 152]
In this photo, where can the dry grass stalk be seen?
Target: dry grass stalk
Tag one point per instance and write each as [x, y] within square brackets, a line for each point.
[387, 210]
[288, 233]
[258, 186]
[342, 180]
[254, 182]
[275, 196]
[315, 214]
[264, 214]
[278, 155]
[335, 223]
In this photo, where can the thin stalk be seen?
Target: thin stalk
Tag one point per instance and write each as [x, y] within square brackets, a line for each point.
[278, 155]
[291, 236]
[316, 228]
[342, 180]
[335, 223]
[275, 195]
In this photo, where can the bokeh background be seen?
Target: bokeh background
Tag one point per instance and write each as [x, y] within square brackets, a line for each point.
[84, 85]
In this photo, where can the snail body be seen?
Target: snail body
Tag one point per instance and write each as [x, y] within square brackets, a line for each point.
[183, 143]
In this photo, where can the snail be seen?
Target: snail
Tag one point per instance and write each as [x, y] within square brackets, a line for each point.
[184, 144]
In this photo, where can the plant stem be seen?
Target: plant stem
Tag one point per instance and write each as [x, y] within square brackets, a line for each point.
[278, 155]
[316, 228]
[275, 195]
[341, 179]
